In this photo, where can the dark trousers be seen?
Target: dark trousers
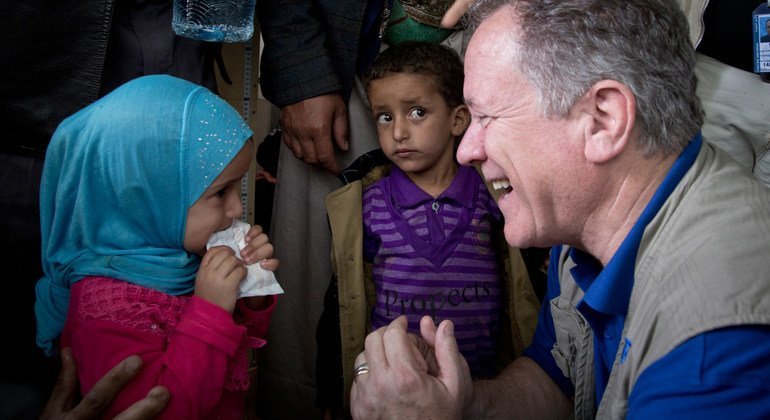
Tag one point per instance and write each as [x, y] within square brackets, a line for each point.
[26, 375]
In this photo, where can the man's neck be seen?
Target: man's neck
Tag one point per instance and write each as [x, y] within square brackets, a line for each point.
[625, 198]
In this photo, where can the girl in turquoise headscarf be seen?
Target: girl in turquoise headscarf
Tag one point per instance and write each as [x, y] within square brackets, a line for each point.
[133, 187]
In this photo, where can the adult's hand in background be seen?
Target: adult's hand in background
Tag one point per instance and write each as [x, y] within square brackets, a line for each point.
[312, 127]
[61, 405]
[455, 12]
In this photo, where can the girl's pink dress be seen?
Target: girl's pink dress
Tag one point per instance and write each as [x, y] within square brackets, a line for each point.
[194, 348]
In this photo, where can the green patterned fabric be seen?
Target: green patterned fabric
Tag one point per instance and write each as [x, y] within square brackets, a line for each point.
[403, 28]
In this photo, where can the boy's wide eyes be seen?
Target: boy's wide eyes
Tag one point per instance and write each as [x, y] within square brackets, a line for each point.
[417, 113]
[384, 118]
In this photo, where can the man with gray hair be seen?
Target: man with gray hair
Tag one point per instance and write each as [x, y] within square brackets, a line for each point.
[587, 122]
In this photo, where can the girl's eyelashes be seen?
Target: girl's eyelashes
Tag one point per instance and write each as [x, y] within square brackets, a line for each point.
[221, 193]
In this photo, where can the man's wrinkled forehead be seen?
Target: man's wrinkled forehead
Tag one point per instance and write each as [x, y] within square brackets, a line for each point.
[492, 44]
[497, 33]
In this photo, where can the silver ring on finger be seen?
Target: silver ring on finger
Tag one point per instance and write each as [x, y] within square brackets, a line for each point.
[361, 369]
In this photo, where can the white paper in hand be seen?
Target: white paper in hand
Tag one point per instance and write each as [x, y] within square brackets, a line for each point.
[258, 281]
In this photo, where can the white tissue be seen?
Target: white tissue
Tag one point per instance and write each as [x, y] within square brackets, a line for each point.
[258, 281]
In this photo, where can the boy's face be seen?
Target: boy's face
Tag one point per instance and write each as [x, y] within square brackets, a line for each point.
[219, 204]
[415, 126]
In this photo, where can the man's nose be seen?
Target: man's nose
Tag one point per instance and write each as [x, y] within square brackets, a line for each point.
[471, 148]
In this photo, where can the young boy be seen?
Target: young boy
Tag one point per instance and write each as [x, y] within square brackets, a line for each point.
[430, 230]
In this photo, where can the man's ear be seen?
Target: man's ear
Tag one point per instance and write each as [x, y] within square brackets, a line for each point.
[609, 108]
[461, 118]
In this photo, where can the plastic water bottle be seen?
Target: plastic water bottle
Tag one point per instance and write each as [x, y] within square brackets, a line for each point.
[214, 20]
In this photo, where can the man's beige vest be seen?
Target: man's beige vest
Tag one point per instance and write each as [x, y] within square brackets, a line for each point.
[703, 264]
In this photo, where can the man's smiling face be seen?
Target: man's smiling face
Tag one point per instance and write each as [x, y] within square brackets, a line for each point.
[519, 150]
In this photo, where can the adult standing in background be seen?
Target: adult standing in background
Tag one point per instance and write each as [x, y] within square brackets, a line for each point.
[308, 70]
[58, 57]
[658, 301]
[313, 52]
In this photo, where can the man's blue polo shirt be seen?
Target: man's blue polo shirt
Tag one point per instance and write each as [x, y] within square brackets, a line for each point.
[714, 374]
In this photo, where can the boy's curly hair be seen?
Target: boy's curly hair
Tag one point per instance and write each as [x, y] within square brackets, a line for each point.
[440, 63]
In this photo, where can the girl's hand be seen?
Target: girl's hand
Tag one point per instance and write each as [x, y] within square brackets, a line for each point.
[218, 277]
[258, 249]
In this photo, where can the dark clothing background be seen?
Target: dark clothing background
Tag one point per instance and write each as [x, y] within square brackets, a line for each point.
[311, 48]
[728, 35]
[51, 65]
[142, 42]
[264, 190]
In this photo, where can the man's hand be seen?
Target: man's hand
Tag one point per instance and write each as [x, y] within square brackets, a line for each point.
[398, 382]
[444, 345]
[60, 405]
[453, 15]
[309, 127]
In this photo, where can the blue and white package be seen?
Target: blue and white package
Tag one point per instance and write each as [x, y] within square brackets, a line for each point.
[761, 26]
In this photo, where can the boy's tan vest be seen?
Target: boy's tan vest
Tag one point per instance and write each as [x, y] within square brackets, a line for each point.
[356, 290]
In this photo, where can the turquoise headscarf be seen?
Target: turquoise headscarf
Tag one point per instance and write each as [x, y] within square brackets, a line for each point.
[118, 178]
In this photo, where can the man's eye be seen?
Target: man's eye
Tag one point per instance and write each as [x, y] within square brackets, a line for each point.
[484, 121]
[384, 118]
[417, 113]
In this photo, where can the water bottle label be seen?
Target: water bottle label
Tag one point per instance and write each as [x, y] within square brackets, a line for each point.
[761, 25]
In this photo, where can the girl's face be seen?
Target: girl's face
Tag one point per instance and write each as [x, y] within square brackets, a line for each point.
[219, 204]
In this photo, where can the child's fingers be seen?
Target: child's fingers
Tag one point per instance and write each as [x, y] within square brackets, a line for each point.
[253, 253]
[269, 264]
[254, 231]
[263, 252]
[231, 268]
[219, 276]
[222, 260]
[237, 274]
[215, 256]
[257, 241]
